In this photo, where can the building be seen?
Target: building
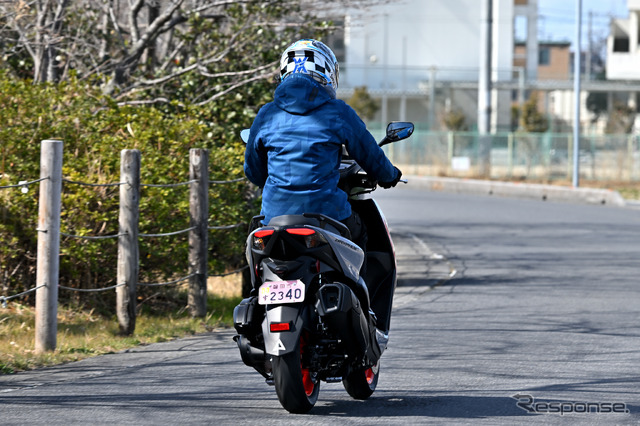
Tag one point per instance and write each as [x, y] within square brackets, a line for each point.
[623, 53]
[553, 62]
[420, 59]
[623, 49]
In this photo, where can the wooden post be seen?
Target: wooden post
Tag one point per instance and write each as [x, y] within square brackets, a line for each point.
[199, 236]
[128, 255]
[48, 246]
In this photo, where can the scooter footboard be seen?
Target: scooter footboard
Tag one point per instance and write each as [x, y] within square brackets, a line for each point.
[283, 342]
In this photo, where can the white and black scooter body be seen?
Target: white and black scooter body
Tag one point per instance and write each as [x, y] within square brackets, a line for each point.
[309, 307]
[281, 310]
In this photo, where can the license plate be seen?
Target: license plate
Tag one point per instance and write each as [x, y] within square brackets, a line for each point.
[278, 292]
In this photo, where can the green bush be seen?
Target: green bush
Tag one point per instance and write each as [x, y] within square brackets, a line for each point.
[531, 119]
[94, 131]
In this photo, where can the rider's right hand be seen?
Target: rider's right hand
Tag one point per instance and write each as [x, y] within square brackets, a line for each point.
[387, 185]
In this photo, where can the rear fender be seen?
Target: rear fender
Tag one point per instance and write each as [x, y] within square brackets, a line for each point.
[283, 342]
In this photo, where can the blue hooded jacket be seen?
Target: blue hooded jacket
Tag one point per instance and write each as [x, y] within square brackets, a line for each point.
[295, 146]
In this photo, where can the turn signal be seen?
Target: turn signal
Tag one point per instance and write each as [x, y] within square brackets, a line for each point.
[261, 237]
[310, 236]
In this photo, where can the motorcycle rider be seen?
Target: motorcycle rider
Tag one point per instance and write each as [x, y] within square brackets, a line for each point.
[295, 144]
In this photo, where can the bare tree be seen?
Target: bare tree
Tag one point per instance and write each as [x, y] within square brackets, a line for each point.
[37, 27]
[150, 50]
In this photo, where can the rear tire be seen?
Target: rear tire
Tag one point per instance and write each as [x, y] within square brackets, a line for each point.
[361, 383]
[296, 389]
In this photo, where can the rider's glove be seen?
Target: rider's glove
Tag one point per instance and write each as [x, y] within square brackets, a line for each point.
[387, 185]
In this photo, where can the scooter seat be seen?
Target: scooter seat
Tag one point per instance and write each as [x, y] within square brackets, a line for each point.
[293, 220]
[312, 219]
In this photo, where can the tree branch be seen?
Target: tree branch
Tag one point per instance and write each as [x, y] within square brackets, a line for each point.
[133, 20]
[238, 73]
[233, 87]
[196, 66]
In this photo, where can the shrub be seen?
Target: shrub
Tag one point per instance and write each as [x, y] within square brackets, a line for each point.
[94, 130]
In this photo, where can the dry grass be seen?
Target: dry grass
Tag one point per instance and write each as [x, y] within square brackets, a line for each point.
[229, 286]
[83, 333]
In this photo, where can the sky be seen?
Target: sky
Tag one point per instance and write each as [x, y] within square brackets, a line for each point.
[557, 19]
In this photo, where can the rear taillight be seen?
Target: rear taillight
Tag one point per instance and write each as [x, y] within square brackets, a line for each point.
[276, 327]
[301, 231]
[308, 236]
[261, 238]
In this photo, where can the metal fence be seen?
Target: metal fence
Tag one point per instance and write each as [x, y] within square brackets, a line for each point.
[533, 156]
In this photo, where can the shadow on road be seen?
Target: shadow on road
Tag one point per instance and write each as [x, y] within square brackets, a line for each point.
[444, 406]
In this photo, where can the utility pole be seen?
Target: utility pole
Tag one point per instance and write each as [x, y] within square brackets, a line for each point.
[576, 90]
[589, 48]
[484, 87]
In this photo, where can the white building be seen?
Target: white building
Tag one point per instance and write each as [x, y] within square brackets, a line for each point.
[421, 58]
[623, 55]
[623, 49]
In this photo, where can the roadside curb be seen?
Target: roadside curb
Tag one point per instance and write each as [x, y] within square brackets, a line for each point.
[520, 190]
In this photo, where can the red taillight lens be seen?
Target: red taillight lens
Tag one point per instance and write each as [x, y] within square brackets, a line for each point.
[261, 237]
[263, 233]
[276, 327]
[310, 236]
[301, 231]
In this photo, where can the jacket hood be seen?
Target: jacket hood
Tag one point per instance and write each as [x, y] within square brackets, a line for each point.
[300, 93]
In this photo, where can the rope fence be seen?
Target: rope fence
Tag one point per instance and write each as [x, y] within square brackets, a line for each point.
[167, 234]
[91, 290]
[167, 185]
[221, 182]
[128, 236]
[23, 184]
[95, 185]
[4, 299]
[92, 237]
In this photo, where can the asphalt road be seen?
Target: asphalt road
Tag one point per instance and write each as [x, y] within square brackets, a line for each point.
[508, 312]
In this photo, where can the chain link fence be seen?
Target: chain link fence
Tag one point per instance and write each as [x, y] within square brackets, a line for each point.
[518, 155]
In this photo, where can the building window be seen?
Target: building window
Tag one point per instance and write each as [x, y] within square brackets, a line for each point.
[620, 44]
[544, 56]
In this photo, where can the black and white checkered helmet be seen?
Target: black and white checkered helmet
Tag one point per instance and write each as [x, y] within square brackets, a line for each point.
[310, 57]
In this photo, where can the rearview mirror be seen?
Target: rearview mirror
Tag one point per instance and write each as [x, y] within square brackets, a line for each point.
[396, 131]
[399, 130]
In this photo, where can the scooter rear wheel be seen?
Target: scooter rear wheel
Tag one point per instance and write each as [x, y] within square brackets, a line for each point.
[360, 383]
[297, 390]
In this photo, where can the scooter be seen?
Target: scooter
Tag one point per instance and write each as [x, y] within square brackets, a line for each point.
[311, 317]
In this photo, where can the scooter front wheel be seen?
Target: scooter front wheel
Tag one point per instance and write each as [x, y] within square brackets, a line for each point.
[296, 387]
[361, 382]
